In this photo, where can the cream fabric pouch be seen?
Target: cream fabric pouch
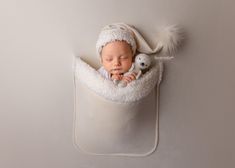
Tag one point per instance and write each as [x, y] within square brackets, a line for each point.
[110, 120]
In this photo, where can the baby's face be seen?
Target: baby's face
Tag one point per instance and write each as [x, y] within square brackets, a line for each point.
[116, 57]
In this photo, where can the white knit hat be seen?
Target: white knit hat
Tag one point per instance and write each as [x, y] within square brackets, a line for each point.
[168, 40]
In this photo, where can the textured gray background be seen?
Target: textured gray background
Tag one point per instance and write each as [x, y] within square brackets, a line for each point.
[38, 39]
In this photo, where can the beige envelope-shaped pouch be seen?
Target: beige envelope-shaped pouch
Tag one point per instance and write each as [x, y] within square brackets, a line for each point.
[110, 120]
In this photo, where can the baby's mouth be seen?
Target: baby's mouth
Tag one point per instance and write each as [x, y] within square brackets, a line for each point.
[116, 70]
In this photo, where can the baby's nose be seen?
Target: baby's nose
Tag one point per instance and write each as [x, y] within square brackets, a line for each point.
[116, 61]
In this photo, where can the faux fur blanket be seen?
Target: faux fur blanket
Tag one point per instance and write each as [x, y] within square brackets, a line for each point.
[132, 92]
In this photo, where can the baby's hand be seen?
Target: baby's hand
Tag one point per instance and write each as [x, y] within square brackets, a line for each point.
[129, 78]
[116, 77]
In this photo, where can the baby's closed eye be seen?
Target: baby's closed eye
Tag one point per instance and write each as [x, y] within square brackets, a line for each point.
[123, 57]
[108, 59]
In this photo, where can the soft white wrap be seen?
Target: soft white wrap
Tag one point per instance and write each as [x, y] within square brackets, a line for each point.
[105, 88]
[116, 121]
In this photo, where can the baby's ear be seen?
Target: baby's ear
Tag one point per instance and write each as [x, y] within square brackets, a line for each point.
[101, 59]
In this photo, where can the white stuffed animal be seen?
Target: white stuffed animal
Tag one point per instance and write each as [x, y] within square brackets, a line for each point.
[142, 63]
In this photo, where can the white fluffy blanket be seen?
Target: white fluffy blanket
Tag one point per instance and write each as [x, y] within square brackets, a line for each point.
[132, 92]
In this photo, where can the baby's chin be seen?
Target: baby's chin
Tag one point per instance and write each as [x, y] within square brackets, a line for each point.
[117, 71]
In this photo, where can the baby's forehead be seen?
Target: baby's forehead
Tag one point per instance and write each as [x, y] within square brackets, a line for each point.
[116, 46]
[116, 55]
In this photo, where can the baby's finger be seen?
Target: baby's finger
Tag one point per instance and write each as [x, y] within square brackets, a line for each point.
[115, 77]
[133, 76]
[127, 79]
[119, 77]
[134, 73]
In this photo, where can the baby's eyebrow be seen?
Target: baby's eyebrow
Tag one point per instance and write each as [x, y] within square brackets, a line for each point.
[124, 55]
[108, 57]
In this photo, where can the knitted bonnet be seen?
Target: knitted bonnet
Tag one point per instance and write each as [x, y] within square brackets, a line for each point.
[168, 40]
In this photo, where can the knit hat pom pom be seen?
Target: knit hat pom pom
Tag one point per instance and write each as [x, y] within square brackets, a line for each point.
[170, 38]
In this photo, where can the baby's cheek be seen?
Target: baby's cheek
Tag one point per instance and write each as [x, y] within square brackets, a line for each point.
[107, 66]
[128, 64]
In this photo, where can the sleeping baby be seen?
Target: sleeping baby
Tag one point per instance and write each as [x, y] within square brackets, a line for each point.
[116, 59]
[117, 46]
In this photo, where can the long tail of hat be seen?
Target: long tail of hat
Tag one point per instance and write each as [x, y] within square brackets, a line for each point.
[142, 45]
[168, 40]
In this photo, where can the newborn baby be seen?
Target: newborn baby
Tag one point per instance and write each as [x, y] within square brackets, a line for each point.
[116, 59]
[116, 46]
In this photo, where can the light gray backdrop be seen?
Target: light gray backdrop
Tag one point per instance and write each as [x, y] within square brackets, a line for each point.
[38, 39]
